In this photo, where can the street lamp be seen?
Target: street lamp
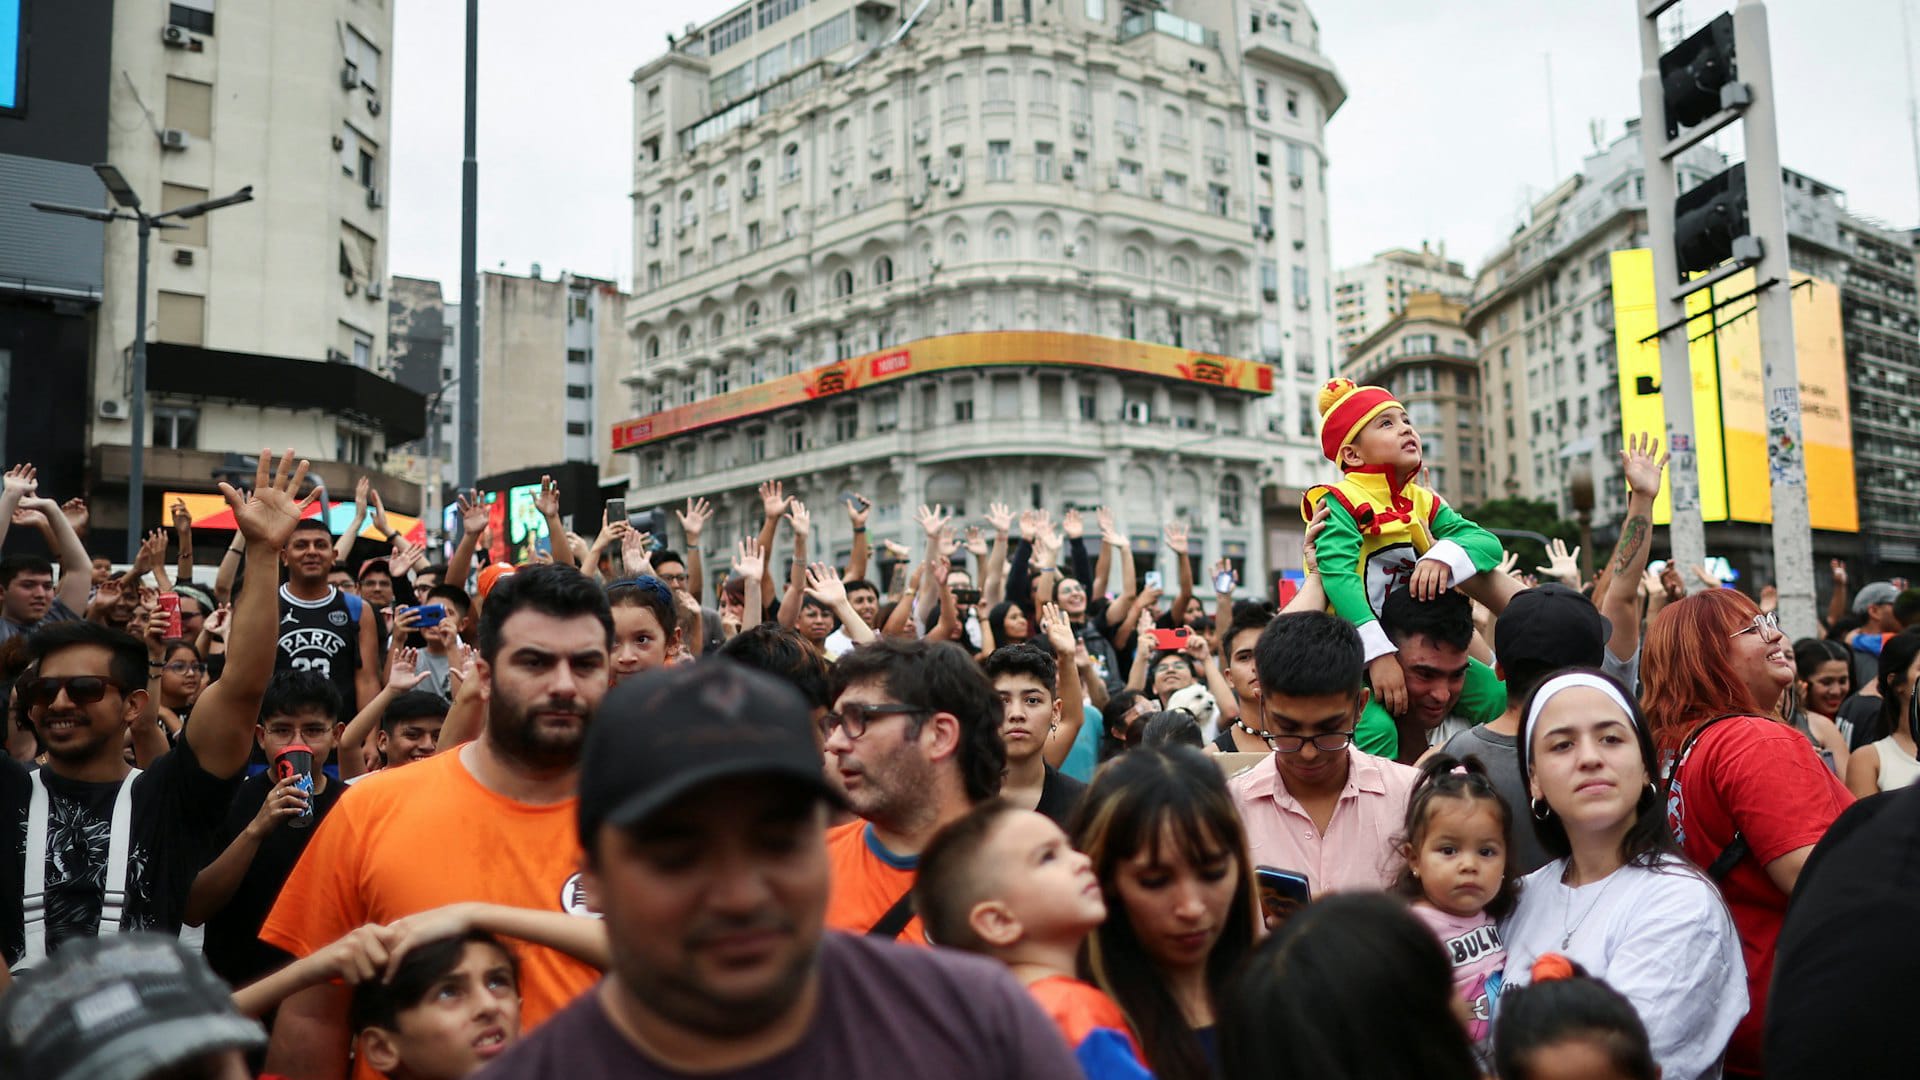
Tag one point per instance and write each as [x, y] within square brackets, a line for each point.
[431, 496]
[129, 201]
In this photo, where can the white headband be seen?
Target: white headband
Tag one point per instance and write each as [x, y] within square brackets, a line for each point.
[1554, 686]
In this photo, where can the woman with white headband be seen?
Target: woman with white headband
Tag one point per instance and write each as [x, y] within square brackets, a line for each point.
[1619, 899]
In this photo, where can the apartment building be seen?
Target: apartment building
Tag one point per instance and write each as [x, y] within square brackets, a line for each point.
[1425, 356]
[1368, 296]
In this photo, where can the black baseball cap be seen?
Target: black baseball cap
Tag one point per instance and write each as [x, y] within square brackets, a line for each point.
[1551, 626]
[119, 1007]
[660, 735]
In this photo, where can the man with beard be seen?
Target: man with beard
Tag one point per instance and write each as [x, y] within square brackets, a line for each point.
[703, 818]
[915, 736]
[491, 821]
[97, 846]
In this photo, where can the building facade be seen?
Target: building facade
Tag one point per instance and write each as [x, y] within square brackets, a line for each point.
[267, 320]
[1425, 356]
[550, 352]
[1040, 254]
[1368, 296]
[1542, 317]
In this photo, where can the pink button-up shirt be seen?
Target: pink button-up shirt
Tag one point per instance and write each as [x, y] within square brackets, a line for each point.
[1357, 851]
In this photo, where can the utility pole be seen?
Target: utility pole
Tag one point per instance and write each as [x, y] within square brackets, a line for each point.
[469, 374]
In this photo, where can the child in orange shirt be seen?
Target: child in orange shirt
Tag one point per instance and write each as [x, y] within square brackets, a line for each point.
[1005, 883]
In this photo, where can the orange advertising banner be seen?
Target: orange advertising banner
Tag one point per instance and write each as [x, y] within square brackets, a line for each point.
[1023, 348]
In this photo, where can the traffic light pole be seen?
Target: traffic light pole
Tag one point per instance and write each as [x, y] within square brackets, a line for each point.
[1686, 532]
[1767, 218]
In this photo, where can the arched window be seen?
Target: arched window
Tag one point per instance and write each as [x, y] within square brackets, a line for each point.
[683, 340]
[999, 87]
[883, 271]
[878, 123]
[1002, 242]
[790, 302]
[1222, 279]
[790, 162]
[1129, 113]
[1043, 244]
[717, 328]
[1134, 261]
[1043, 90]
[719, 200]
[687, 213]
[653, 347]
[1230, 499]
[1173, 123]
[753, 178]
[1216, 135]
[843, 284]
[653, 222]
[1179, 272]
[956, 248]
[842, 136]
[956, 91]
[751, 316]
[923, 103]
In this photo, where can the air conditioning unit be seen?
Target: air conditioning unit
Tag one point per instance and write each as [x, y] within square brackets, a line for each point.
[1296, 181]
[1158, 191]
[373, 106]
[1080, 129]
[1263, 113]
[350, 77]
[1113, 178]
[956, 183]
[1301, 301]
[918, 200]
[376, 290]
[752, 191]
[1219, 164]
[349, 286]
[653, 238]
[1262, 230]
[173, 139]
[837, 168]
[339, 143]
[113, 409]
[1068, 171]
[337, 356]
[1128, 141]
[1137, 412]
[173, 37]
[920, 136]
[876, 152]
[1273, 18]
[182, 256]
[680, 229]
[1299, 243]
[375, 200]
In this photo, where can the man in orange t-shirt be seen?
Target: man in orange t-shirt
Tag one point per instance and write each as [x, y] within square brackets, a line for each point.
[491, 820]
[915, 736]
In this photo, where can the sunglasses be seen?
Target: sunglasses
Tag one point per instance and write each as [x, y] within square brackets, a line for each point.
[41, 693]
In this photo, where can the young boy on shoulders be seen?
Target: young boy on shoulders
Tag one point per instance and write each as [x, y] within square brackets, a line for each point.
[1005, 883]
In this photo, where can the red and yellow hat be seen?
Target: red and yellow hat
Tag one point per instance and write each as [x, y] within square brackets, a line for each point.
[1345, 408]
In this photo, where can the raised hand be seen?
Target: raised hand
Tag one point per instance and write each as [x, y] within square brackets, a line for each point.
[473, 514]
[1510, 564]
[177, 511]
[360, 489]
[21, 481]
[1071, 524]
[773, 499]
[1177, 537]
[1058, 629]
[153, 550]
[405, 554]
[931, 519]
[636, 551]
[1706, 575]
[1562, 565]
[1000, 516]
[380, 523]
[1769, 598]
[976, 543]
[217, 623]
[267, 514]
[1838, 568]
[749, 559]
[858, 507]
[799, 519]
[1198, 650]
[1109, 533]
[78, 515]
[1224, 567]
[403, 673]
[1309, 555]
[946, 542]
[547, 499]
[1029, 522]
[895, 549]
[694, 519]
[824, 585]
[1672, 584]
[1642, 463]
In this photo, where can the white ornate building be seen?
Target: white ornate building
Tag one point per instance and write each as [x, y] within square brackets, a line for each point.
[1045, 253]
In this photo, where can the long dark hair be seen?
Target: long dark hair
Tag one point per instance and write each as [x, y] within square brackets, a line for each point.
[1137, 802]
[1548, 1012]
[1306, 1003]
[1649, 840]
[1896, 656]
[1446, 777]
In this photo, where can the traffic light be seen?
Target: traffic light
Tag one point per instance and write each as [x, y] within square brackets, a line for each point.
[1697, 79]
[1710, 223]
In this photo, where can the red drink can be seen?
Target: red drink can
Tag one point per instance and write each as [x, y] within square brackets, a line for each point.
[170, 603]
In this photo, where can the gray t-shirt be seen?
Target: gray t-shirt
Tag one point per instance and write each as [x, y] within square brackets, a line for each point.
[1501, 755]
[59, 612]
[885, 1011]
[439, 672]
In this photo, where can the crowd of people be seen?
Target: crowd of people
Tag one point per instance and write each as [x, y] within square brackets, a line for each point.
[1015, 813]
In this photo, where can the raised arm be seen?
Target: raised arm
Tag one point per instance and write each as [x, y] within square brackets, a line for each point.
[547, 502]
[749, 560]
[343, 547]
[223, 720]
[1642, 463]
[693, 522]
[1177, 542]
[402, 676]
[149, 738]
[858, 507]
[824, 585]
[773, 506]
[1838, 604]
[229, 569]
[473, 522]
[1075, 530]
[993, 580]
[901, 618]
[21, 481]
[1058, 630]
[801, 523]
[76, 568]
[183, 536]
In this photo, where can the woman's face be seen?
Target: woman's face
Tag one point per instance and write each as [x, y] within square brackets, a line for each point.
[181, 679]
[1762, 659]
[1586, 762]
[1174, 673]
[1177, 902]
[1016, 624]
[1827, 687]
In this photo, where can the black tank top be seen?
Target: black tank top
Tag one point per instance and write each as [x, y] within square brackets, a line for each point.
[321, 636]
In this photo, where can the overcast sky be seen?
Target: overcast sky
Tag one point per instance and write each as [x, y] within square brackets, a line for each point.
[1444, 136]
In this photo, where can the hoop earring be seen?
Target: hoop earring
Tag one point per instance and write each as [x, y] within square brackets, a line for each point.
[1541, 810]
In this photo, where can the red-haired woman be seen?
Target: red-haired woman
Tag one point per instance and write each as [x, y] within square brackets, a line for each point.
[1749, 797]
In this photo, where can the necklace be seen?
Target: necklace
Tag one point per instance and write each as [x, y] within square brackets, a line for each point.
[1242, 725]
[1567, 938]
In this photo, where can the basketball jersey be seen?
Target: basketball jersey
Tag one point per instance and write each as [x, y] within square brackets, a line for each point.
[321, 636]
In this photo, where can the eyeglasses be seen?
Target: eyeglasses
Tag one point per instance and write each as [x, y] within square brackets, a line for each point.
[1766, 624]
[1326, 741]
[855, 718]
[81, 689]
[674, 579]
[185, 667]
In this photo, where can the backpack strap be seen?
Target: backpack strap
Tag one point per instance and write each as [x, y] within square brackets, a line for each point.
[354, 604]
[895, 920]
[1737, 848]
[113, 901]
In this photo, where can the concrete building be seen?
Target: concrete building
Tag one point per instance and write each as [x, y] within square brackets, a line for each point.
[1425, 356]
[1046, 254]
[549, 369]
[1367, 296]
[267, 319]
[1542, 316]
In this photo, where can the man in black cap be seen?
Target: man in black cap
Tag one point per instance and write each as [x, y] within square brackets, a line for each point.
[1544, 629]
[125, 1007]
[703, 815]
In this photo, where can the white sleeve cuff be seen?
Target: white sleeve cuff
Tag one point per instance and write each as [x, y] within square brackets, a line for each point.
[1373, 638]
[1454, 556]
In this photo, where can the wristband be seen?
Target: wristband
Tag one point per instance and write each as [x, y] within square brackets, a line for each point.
[394, 535]
[858, 529]
[1043, 569]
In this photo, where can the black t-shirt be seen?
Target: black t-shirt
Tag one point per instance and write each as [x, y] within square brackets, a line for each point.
[1060, 796]
[1859, 718]
[177, 807]
[1848, 937]
[321, 636]
[233, 947]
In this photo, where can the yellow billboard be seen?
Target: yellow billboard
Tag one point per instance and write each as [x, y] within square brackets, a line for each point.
[1729, 407]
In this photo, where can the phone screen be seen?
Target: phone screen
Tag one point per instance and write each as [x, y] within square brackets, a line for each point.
[1223, 581]
[1282, 892]
[616, 510]
[1150, 579]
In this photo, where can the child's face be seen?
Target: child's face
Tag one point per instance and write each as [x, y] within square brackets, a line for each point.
[1462, 856]
[467, 1019]
[1572, 1058]
[1028, 711]
[1049, 887]
[1388, 439]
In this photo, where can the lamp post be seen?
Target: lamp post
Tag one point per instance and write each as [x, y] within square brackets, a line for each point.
[129, 201]
[431, 496]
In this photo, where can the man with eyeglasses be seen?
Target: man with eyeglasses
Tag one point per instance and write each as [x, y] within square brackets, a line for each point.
[914, 733]
[109, 848]
[1318, 805]
[671, 568]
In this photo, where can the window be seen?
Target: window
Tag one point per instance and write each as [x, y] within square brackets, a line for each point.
[578, 356]
[957, 248]
[176, 427]
[1128, 114]
[190, 106]
[999, 89]
[790, 162]
[1260, 92]
[1293, 104]
[955, 95]
[963, 401]
[1130, 177]
[843, 284]
[1097, 11]
[683, 340]
[1042, 91]
[1043, 243]
[364, 57]
[1077, 99]
[1134, 261]
[1217, 199]
[789, 302]
[194, 16]
[831, 34]
[846, 423]
[729, 33]
[789, 222]
[1216, 136]
[1174, 188]
[1001, 242]
[1080, 167]
[175, 196]
[842, 137]
[1302, 293]
[999, 160]
[1230, 510]
[1173, 126]
[718, 200]
[1089, 407]
[772, 11]
[1270, 279]
[576, 391]
[362, 350]
[1296, 162]
[1043, 162]
[883, 271]
[754, 236]
[652, 351]
[717, 327]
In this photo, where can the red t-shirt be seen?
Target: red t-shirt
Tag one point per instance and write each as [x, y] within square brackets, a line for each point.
[1760, 778]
